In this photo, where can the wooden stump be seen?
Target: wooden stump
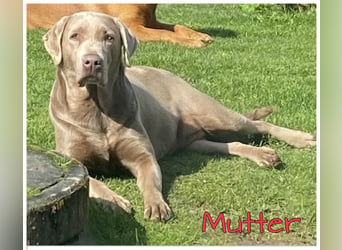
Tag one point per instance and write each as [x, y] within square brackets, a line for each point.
[57, 197]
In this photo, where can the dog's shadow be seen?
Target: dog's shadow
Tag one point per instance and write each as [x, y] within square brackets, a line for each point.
[182, 163]
[122, 228]
[219, 32]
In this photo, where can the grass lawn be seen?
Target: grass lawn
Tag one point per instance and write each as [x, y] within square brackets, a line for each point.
[257, 59]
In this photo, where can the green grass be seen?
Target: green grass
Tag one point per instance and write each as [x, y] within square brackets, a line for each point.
[257, 59]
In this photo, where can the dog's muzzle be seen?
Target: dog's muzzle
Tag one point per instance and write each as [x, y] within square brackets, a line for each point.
[91, 72]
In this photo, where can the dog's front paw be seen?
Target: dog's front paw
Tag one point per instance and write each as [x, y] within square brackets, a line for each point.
[266, 157]
[121, 202]
[205, 37]
[114, 202]
[157, 210]
[194, 43]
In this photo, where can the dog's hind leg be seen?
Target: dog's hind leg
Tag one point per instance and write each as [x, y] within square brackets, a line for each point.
[295, 138]
[150, 34]
[263, 156]
[224, 125]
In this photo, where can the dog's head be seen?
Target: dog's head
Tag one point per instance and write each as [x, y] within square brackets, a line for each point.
[88, 46]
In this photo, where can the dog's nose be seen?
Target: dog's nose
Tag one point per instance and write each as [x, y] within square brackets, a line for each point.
[92, 63]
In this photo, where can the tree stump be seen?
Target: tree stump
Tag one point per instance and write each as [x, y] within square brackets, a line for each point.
[57, 197]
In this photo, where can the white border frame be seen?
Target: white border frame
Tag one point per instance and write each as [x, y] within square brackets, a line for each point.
[317, 2]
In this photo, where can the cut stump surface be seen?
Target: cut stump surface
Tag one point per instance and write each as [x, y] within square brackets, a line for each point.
[57, 197]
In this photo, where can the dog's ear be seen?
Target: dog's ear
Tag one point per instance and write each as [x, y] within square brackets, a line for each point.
[129, 42]
[53, 40]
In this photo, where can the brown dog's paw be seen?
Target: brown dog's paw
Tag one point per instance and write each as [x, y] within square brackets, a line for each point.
[204, 37]
[194, 43]
[157, 210]
[198, 42]
[191, 37]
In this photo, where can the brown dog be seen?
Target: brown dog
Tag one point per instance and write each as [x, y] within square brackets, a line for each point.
[139, 18]
[105, 113]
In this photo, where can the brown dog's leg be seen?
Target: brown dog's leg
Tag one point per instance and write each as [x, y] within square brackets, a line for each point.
[192, 34]
[146, 27]
[184, 32]
[152, 34]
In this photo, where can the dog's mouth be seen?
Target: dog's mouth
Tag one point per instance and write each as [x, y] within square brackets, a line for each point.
[88, 80]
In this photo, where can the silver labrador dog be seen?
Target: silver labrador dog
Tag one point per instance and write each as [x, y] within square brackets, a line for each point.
[106, 113]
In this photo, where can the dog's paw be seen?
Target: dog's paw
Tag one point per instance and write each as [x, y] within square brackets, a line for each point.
[195, 43]
[115, 203]
[121, 202]
[157, 210]
[200, 40]
[107, 197]
[205, 38]
[191, 37]
[302, 140]
[266, 157]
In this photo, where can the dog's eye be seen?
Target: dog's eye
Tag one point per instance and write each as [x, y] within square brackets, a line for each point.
[109, 38]
[74, 36]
